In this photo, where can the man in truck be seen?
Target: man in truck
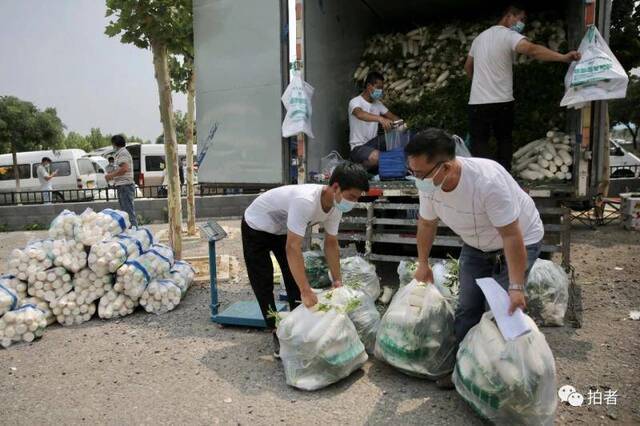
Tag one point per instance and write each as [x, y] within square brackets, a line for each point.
[489, 64]
[482, 203]
[366, 112]
[276, 222]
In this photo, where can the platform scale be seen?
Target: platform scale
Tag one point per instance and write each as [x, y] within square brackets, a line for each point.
[244, 313]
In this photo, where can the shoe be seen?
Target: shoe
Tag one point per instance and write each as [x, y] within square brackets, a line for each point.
[445, 383]
[276, 346]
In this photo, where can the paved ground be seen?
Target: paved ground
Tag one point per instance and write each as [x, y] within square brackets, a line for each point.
[179, 368]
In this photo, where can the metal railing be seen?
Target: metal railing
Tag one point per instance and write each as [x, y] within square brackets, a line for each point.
[111, 194]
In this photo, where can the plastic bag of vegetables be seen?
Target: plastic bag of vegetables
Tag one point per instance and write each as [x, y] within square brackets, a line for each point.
[12, 282]
[43, 305]
[361, 311]
[115, 305]
[315, 265]
[69, 254]
[72, 308]
[183, 274]
[406, 271]
[507, 382]
[50, 284]
[36, 256]
[64, 225]
[318, 347]
[160, 296]
[445, 274]
[8, 299]
[100, 226]
[547, 292]
[91, 286]
[134, 275]
[21, 325]
[416, 333]
[361, 275]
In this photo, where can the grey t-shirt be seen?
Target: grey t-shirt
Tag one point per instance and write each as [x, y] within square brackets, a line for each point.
[123, 156]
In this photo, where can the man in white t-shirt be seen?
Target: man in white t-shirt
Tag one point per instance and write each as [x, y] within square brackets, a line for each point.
[480, 201]
[276, 222]
[365, 113]
[490, 66]
[45, 178]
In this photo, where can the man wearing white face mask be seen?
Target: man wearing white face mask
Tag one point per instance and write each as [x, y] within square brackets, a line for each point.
[366, 111]
[276, 222]
[489, 64]
[480, 201]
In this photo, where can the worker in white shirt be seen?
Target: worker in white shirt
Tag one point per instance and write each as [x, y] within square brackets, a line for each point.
[276, 222]
[490, 66]
[45, 177]
[482, 203]
[366, 112]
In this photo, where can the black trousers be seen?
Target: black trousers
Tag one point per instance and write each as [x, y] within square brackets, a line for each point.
[485, 119]
[257, 247]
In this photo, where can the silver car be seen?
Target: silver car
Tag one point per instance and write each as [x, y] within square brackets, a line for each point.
[622, 163]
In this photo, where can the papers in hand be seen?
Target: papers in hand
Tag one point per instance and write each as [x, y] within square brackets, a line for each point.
[511, 326]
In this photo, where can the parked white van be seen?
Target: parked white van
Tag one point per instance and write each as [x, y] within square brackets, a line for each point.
[75, 171]
[147, 161]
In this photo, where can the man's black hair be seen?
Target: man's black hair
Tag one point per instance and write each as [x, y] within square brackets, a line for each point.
[118, 140]
[350, 175]
[513, 9]
[435, 143]
[372, 78]
[45, 159]
[111, 159]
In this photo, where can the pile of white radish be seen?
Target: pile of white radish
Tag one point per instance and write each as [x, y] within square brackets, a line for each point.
[21, 325]
[160, 296]
[12, 282]
[36, 256]
[43, 305]
[8, 299]
[70, 254]
[96, 227]
[50, 284]
[134, 275]
[64, 226]
[115, 305]
[72, 308]
[427, 58]
[547, 158]
[182, 274]
[91, 286]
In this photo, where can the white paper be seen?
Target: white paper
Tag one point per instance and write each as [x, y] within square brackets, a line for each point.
[511, 326]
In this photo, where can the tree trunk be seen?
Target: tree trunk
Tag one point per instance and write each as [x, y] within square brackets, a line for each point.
[634, 135]
[161, 67]
[16, 172]
[191, 196]
[603, 187]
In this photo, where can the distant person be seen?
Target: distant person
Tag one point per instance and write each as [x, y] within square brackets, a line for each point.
[183, 170]
[111, 167]
[45, 176]
[122, 177]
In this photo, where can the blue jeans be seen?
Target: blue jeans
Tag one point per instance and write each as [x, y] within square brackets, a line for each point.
[475, 264]
[126, 195]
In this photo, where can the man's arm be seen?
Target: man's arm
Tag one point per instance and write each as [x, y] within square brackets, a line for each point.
[468, 66]
[332, 254]
[427, 230]
[122, 169]
[516, 256]
[296, 265]
[391, 116]
[372, 118]
[541, 53]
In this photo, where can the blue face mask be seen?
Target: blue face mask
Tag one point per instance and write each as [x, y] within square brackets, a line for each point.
[344, 206]
[426, 185]
[376, 94]
[518, 27]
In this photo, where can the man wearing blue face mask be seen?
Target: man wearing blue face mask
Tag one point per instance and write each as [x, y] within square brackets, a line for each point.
[489, 64]
[482, 203]
[366, 112]
[276, 222]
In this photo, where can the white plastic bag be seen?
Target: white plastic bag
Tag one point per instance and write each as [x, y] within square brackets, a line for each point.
[416, 334]
[21, 325]
[328, 163]
[547, 292]
[507, 382]
[596, 76]
[297, 100]
[183, 274]
[318, 347]
[64, 225]
[8, 299]
[160, 296]
[12, 282]
[359, 274]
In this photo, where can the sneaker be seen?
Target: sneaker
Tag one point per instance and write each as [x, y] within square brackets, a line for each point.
[445, 383]
[276, 346]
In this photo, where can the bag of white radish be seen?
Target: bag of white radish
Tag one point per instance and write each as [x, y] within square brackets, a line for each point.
[507, 382]
[36, 256]
[547, 293]
[134, 275]
[596, 76]
[8, 299]
[183, 274]
[545, 159]
[64, 226]
[108, 255]
[12, 282]
[115, 305]
[100, 226]
[160, 296]
[315, 266]
[43, 305]
[21, 325]
[318, 347]
[72, 308]
[360, 309]
[50, 284]
[416, 334]
[361, 275]
[91, 286]
[70, 254]
[406, 271]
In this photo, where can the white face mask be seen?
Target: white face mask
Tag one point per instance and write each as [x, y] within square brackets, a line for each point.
[427, 185]
[344, 205]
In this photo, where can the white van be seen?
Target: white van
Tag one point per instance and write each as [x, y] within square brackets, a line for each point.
[147, 161]
[75, 171]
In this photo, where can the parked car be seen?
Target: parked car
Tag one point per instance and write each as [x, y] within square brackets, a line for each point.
[623, 164]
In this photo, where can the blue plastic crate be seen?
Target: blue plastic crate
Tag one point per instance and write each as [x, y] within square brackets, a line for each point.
[392, 164]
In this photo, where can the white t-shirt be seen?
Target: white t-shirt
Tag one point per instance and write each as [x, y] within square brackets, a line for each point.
[293, 208]
[486, 197]
[42, 173]
[493, 52]
[361, 132]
